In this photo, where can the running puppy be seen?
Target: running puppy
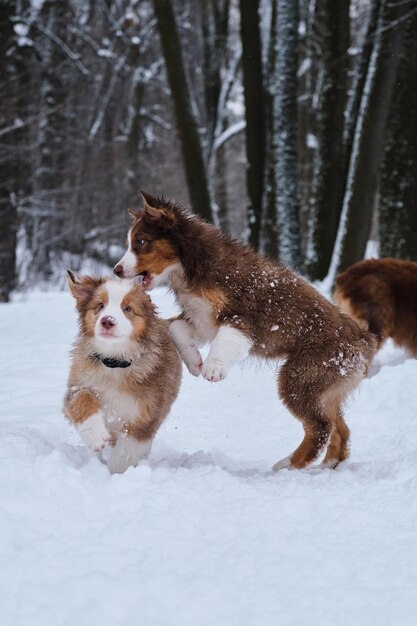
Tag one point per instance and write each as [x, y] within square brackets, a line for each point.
[242, 303]
[381, 296]
[125, 371]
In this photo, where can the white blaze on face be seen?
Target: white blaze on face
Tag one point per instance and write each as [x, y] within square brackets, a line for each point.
[122, 328]
[128, 260]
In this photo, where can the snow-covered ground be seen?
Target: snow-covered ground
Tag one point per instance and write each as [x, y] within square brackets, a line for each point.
[203, 534]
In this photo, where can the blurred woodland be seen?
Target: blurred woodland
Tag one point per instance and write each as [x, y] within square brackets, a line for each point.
[291, 124]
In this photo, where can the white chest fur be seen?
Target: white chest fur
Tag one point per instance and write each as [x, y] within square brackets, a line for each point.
[198, 311]
[117, 407]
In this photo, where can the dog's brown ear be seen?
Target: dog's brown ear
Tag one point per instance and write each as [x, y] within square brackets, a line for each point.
[82, 287]
[73, 283]
[153, 209]
[133, 214]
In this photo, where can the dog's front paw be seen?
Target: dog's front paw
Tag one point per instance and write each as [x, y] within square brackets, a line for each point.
[214, 370]
[94, 433]
[193, 361]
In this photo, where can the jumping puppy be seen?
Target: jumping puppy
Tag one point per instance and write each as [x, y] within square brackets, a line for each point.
[125, 371]
[242, 303]
[381, 296]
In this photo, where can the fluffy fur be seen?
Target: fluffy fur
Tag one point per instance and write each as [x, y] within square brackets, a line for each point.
[119, 407]
[381, 295]
[242, 303]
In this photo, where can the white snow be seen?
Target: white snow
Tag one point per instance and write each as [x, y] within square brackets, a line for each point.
[312, 141]
[21, 29]
[203, 533]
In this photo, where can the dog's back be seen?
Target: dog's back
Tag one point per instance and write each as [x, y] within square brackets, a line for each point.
[381, 295]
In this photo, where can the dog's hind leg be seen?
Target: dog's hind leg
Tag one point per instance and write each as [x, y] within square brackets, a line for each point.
[299, 393]
[332, 400]
[317, 430]
[338, 448]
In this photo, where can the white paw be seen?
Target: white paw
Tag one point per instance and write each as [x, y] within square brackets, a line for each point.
[283, 464]
[214, 370]
[192, 359]
[94, 433]
[127, 453]
[181, 335]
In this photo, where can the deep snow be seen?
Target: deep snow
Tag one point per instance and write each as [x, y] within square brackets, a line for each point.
[204, 533]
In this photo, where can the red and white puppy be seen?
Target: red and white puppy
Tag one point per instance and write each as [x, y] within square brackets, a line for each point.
[242, 303]
[125, 371]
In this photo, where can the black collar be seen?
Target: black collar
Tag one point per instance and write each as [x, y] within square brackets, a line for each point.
[110, 361]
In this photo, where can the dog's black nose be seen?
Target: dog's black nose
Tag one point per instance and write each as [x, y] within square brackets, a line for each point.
[118, 270]
[108, 322]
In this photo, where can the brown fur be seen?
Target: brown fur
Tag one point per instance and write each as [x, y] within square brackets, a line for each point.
[81, 406]
[151, 382]
[381, 295]
[326, 353]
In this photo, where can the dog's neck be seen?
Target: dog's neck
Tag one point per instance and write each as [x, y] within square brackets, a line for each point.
[198, 246]
[111, 362]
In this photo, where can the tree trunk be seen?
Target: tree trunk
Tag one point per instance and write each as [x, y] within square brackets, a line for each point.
[398, 189]
[215, 30]
[187, 127]
[50, 147]
[269, 227]
[254, 112]
[363, 175]
[8, 179]
[359, 78]
[331, 33]
[284, 134]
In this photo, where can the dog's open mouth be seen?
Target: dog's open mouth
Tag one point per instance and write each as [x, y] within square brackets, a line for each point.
[146, 280]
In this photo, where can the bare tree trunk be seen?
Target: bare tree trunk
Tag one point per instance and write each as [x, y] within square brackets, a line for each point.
[255, 120]
[8, 179]
[331, 32]
[359, 78]
[307, 110]
[215, 30]
[269, 227]
[50, 134]
[363, 176]
[284, 134]
[187, 127]
[398, 189]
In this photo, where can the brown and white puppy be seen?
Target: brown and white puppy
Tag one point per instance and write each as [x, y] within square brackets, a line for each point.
[381, 296]
[242, 303]
[125, 371]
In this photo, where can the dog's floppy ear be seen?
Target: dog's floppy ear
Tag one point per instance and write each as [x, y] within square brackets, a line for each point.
[153, 209]
[82, 287]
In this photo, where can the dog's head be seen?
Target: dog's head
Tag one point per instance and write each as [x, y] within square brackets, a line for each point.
[112, 312]
[152, 251]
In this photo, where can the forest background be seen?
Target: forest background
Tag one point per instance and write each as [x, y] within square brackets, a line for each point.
[290, 124]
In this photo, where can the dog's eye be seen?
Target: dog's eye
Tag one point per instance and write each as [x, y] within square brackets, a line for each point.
[140, 242]
[100, 306]
[127, 309]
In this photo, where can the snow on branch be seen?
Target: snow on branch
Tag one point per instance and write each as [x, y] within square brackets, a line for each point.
[230, 132]
[73, 57]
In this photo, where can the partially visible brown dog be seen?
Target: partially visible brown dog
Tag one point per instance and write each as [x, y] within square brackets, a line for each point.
[242, 303]
[381, 296]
